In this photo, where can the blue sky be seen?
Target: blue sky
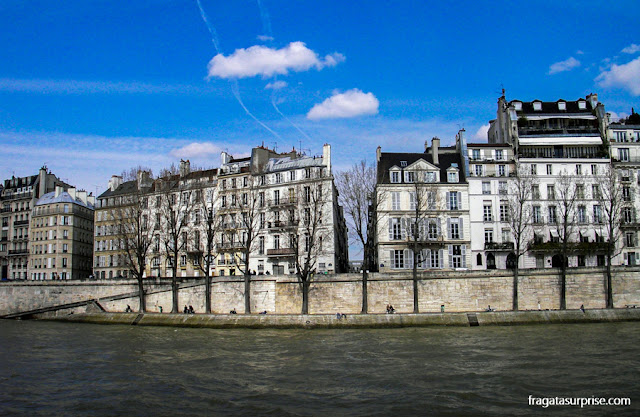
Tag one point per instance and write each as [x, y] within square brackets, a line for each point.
[93, 87]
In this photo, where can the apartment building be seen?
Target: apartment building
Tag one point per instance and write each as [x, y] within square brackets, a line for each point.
[423, 207]
[624, 140]
[552, 141]
[17, 198]
[62, 235]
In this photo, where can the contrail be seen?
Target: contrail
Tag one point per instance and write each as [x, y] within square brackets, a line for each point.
[212, 29]
[234, 83]
[266, 26]
[266, 21]
[236, 93]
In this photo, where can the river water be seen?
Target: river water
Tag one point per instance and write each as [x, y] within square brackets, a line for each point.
[62, 369]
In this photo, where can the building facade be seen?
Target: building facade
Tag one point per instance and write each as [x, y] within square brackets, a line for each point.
[62, 235]
[17, 199]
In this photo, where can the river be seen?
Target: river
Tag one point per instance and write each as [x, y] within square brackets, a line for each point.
[62, 369]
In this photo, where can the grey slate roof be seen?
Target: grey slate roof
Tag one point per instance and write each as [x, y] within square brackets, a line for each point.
[551, 107]
[63, 197]
[446, 159]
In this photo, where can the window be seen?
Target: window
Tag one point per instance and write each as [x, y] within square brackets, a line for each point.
[552, 215]
[429, 177]
[395, 177]
[488, 235]
[435, 259]
[183, 260]
[475, 154]
[578, 169]
[454, 228]
[64, 262]
[595, 189]
[623, 154]
[594, 169]
[580, 191]
[412, 200]
[534, 169]
[499, 154]
[395, 200]
[261, 245]
[456, 256]
[262, 220]
[276, 197]
[537, 105]
[597, 214]
[582, 214]
[453, 202]
[551, 192]
[410, 176]
[621, 136]
[433, 228]
[452, 177]
[549, 169]
[486, 187]
[502, 187]
[395, 229]
[403, 164]
[627, 215]
[477, 170]
[626, 193]
[278, 178]
[260, 199]
[486, 213]
[506, 235]
[537, 215]
[65, 248]
[562, 105]
[276, 242]
[398, 259]
[502, 171]
[630, 239]
[504, 212]
[292, 175]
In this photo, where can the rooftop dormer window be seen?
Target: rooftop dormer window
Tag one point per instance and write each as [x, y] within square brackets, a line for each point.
[395, 177]
[403, 164]
[562, 105]
[452, 175]
[582, 105]
[517, 105]
[537, 105]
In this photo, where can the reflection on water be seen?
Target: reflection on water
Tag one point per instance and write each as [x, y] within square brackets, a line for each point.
[77, 369]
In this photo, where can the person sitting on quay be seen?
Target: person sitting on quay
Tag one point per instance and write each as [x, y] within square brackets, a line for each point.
[191, 310]
[186, 309]
[233, 311]
[128, 310]
[390, 309]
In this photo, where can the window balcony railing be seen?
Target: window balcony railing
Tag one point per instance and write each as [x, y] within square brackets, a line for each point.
[281, 252]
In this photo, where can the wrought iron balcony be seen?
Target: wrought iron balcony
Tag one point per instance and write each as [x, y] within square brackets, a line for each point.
[281, 252]
[504, 246]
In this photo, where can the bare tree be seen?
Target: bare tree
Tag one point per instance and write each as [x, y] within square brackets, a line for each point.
[175, 208]
[519, 213]
[241, 208]
[562, 216]
[614, 198]
[423, 201]
[357, 191]
[208, 223]
[312, 235]
[135, 234]
[131, 174]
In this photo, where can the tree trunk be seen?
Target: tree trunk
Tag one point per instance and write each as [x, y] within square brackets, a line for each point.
[174, 293]
[305, 297]
[515, 287]
[609, 300]
[207, 292]
[143, 302]
[365, 295]
[563, 284]
[416, 309]
[247, 292]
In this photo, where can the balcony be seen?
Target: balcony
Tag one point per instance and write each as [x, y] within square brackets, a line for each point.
[20, 222]
[230, 246]
[282, 202]
[495, 246]
[6, 210]
[281, 252]
[282, 224]
[19, 252]
[230, 225]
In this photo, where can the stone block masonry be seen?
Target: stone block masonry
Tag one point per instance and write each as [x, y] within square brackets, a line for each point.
[330, 294]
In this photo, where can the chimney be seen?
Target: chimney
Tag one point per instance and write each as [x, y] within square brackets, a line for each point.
[91, 200]
[144, 179]
[435, 145]
[58, 190]
[115, 182]
[326, 156]
[593, 99]
[225, 158]
[82, 196]
[72, 193]
[378, 154]
[42, 181]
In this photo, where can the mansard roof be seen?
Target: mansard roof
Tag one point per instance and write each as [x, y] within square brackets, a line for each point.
[551, 107]
[447, 157]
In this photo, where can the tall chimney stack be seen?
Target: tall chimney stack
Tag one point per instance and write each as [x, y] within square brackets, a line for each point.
[435, 145]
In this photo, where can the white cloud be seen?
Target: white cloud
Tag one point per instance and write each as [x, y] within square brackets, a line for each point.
[625, 76]
[579, 52]
[617, 116]
[631, 49]
[264, 38]
[351, 103]
[276, 85]
[261, 60]
[482, 133]
[566, 65]
[196, 149]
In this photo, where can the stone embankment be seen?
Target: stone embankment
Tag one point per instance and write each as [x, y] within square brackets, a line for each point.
[326, 321]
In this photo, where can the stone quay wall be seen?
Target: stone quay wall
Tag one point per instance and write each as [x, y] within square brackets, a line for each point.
[329, 294]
